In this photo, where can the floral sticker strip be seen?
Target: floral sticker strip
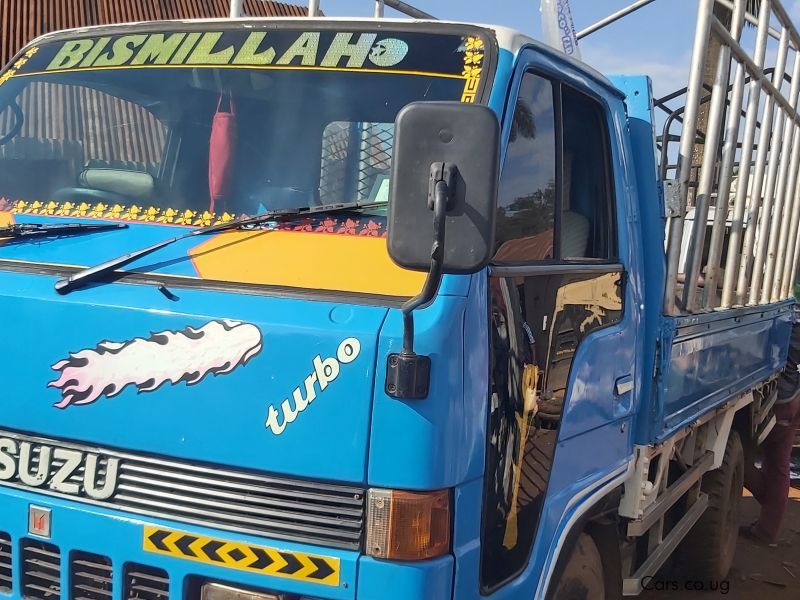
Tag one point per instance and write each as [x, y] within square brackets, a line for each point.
[21, 61]
[473, 67]
[366, 227]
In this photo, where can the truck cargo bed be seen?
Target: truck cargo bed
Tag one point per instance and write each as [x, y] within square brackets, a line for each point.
[707, 359]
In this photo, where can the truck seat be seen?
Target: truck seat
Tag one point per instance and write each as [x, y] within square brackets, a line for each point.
[574, 234]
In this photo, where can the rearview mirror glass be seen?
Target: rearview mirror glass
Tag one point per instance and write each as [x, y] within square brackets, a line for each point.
[463, 136]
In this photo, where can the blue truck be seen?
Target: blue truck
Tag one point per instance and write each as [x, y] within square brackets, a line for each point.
[369, 309]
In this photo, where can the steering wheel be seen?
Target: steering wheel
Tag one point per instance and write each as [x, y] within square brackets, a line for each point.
[19, 120]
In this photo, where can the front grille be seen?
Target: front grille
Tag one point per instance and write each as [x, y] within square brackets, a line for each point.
[6, 582]
[41, 572]
[247, 502]
[91, 576]
[292, 510]
[145, 583]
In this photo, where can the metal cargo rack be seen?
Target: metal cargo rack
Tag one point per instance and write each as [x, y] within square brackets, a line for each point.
[313, 9]
[736, 176]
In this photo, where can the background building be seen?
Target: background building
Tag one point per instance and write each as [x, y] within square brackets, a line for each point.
[23, 20]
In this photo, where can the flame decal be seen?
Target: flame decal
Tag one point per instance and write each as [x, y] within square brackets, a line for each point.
[189, 355]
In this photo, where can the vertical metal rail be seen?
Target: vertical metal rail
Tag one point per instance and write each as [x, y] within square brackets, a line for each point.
[793, 245]
[746, 161]
[792, 236]
[784, 201]
[760, 167]
[694, 256]
[313, 8]
[693, 94]
[790, 214]
[730, 142]
[379, 6]
[778, 155]
[792, 265]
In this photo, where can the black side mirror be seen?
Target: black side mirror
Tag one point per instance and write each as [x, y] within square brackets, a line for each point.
[443, 193]
[465, 138]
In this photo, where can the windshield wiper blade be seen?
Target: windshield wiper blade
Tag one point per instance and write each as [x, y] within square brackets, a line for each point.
[29, 230]
[86, 276]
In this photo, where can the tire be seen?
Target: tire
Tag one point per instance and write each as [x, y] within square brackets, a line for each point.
[707, 551]
[583, 577]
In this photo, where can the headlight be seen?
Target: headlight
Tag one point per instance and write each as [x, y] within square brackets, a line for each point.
[216, 591]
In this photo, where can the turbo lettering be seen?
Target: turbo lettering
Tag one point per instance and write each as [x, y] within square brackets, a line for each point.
[348, 50]
[325, 372]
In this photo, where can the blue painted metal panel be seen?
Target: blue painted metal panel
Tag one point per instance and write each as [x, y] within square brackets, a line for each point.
[220, 419]
[467, 508]
[429, 443]
[715, 356]
[380, 580]
[501, 89]
[112, 534]
[650, 201]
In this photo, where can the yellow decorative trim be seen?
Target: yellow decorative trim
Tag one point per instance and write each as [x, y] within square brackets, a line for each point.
[473, 68]
[21, 61]
[118, 212]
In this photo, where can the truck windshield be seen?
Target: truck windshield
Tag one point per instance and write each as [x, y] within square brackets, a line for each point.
[198, 127]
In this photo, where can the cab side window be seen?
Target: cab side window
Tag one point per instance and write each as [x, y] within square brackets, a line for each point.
[556, 199]
[587, 202]
[526, 205]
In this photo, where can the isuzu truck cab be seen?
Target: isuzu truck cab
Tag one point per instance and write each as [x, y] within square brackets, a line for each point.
[372, 309]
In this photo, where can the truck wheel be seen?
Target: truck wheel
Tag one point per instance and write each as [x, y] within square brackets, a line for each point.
[583, 576]
[707, 551]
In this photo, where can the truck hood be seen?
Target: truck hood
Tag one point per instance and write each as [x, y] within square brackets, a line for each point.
[274, 384]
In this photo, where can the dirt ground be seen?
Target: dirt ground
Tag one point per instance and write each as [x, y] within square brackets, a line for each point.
[758, 573]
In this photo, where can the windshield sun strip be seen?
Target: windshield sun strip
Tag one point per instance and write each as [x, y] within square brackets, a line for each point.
[248, 67]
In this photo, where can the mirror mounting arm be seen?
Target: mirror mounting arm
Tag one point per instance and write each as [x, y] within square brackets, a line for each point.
[408, 373]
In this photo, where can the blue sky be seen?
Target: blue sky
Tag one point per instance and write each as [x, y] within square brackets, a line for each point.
[656, 40]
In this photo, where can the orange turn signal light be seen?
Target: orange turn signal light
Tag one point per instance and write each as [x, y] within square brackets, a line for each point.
[408, 525]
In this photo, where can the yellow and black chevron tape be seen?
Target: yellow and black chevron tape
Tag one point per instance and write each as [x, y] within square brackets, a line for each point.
[243, 557]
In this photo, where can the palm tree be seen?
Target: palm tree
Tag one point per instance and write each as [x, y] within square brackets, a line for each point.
[524, 123]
